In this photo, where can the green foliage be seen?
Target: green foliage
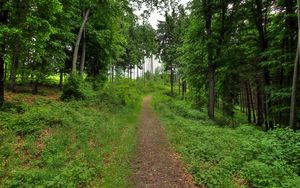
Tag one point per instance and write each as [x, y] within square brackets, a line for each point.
[238, 50]
[277, 174]
[76, 88]
[198, 98]
[120, 94]
[230, 157]
[83, 143]
[183, 109]
[13, 107]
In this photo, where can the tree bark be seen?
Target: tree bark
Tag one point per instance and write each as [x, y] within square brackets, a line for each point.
[295, 76]
[35, 87]
[144, 66]
[152, 66]
[172, 80]
[264, 101]
[211, 67]
[14, 67]
[290, 24]
[179, 86]
[259, 102]
[83, 53]
[79, 36]
[248, 104]
[112, 73]
[183, 88]
[252, 104]
[137, 72]
[3, 20]
[5, 72]
[242, 102]
[61, 78]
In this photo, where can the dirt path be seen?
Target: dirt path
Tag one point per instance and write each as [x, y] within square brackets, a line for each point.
[156, 165]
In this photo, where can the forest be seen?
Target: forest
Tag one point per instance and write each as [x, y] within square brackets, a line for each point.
[82, 103]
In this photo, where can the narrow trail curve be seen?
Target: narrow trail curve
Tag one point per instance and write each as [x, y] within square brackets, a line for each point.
[156, 165]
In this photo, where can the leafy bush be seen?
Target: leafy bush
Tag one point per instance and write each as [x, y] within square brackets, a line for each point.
[288, 143]
[198, 98]
[76, 88]
[13, 107]
[76, 174]
[59, 144]
[180, 108]
[120, 94]
[260, 174]
[230, 157]
[33, 120]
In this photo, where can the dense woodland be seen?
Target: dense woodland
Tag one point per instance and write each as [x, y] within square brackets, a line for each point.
[228, 63]
[236, 53]
[231, 52]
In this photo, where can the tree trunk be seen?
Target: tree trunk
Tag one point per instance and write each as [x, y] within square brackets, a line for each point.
[61, 78]
[179, 86]
[248, 104]
[281, 77]
[35, 87]
[261, 26]
[172, 80]
[183, 88]
[144, 74]
[3, 20]
[259, 102]
[5, 72]
[2, 68]
[137, 72]
[295, 77]
[79, 36]
[252, 103]
[96, 69]
[83, 53]
[14, 67]
[112, 73]
[152, 65]
[211, 66]
[128, 72]
[242, 103]
[211, 95]
[245, 102]
[290, 24]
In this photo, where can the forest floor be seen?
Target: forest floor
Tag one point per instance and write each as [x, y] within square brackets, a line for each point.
[156, 164]
[47, 142]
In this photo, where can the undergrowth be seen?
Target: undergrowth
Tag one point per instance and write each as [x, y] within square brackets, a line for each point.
[225, 157]
[79, 143]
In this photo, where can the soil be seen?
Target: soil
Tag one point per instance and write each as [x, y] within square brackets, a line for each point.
[156, 165]
[29, 98]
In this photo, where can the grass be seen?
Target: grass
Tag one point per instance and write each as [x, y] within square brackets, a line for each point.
[49, 143]
[226, 156]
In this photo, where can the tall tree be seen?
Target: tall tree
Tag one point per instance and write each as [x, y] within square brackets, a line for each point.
[207, 13]
[86, 15]
[3, 22]
[295, 77]
[169, 38]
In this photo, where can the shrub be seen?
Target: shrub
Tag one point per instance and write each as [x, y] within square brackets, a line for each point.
[13, 107]
[33, 120]
[230, 157]
[120, 94]
[288, 143]
[260, 174]
[76, 88]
